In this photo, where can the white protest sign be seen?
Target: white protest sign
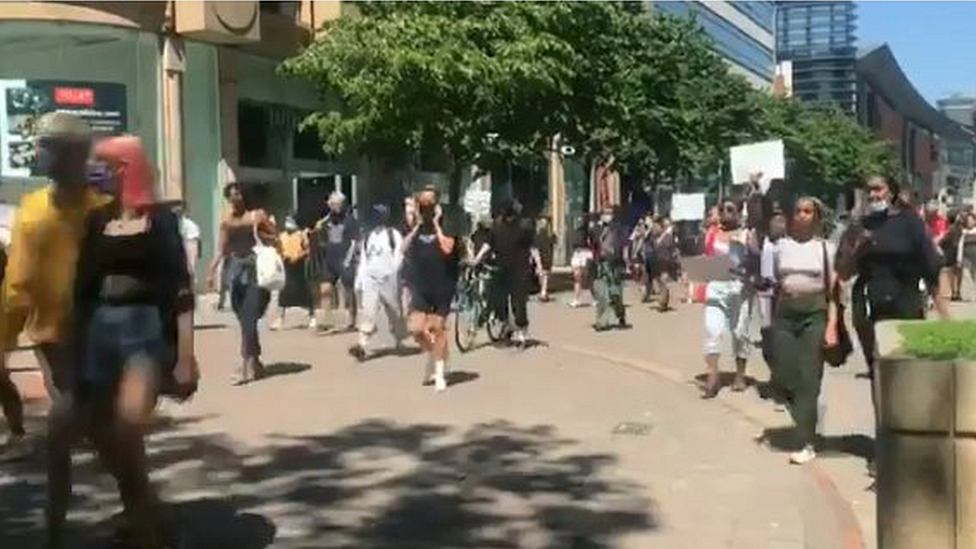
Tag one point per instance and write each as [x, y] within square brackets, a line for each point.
[477, 203]
[687, 206]
[766, 158]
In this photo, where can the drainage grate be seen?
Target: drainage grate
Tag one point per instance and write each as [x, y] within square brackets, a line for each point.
[631, 428]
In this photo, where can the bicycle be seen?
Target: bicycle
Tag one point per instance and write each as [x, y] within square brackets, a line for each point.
[473, 309]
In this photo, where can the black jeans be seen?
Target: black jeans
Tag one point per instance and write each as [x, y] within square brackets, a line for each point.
[512, 285]
[249, 302]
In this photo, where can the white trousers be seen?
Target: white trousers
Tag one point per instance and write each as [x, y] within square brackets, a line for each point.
[726, 311]
[380, 295]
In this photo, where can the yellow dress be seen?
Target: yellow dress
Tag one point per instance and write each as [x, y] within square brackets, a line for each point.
[43, 253]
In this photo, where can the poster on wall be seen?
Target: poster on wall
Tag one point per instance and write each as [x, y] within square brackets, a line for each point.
[22, 102]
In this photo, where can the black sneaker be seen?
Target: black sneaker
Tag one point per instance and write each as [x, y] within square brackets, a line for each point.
[358, 352]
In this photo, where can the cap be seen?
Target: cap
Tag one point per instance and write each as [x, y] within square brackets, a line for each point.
[62, 125]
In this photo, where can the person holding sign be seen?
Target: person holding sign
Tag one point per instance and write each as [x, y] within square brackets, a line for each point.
[727, 297]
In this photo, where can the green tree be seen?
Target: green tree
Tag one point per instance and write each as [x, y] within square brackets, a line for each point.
[483, 81]
[826, 147]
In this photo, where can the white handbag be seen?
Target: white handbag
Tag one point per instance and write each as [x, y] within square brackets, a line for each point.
[269, 267]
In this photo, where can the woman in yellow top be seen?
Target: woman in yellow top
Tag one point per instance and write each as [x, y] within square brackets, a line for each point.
[297, 291]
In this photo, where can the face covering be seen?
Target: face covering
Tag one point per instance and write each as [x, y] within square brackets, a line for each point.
[606, 218]
[133, 172]
[878, 206]
[427, 213]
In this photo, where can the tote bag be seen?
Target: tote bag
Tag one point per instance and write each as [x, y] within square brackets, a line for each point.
[269, 267]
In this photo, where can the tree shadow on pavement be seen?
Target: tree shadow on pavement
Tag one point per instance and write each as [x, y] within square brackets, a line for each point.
[373, 484]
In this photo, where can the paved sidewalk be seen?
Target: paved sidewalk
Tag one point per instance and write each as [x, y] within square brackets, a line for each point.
[669, 346]
[549, 447]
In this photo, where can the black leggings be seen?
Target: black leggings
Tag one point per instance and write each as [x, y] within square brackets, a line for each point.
[249, 302]
[512, 285]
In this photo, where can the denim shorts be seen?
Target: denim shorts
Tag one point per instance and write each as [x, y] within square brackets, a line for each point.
[116, 335]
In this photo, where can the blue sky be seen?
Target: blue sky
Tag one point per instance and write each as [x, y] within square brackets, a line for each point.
[934, 41]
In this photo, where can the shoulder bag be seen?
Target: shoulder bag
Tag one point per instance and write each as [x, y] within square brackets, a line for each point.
[269, 267]
[835, 355]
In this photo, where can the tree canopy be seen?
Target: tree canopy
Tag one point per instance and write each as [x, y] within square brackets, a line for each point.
[476, 81]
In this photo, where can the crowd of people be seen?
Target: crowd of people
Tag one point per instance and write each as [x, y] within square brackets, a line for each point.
[99, 275]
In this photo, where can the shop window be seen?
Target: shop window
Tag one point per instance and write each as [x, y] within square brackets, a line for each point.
[253, 127]
[307, 145]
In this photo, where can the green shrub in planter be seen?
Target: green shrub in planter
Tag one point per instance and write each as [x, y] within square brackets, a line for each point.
[939, 340]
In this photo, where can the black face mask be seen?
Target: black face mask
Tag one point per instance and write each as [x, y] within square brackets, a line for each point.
[427, 212]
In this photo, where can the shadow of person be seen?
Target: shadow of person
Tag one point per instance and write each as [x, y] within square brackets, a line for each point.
[214, 523]
[284, 368]
[459, 378]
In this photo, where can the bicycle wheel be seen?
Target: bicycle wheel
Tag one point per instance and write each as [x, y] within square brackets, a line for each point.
[497, 330]
[466, 322]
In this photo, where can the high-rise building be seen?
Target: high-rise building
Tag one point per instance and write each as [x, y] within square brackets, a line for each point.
[960, 108]
[742, 32]
[816, 42]
[958, 169]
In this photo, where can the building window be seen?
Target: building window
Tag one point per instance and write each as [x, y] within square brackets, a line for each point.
[307, 145]
[288, 9]
[253, 125]
[760, 13]
[729, 40]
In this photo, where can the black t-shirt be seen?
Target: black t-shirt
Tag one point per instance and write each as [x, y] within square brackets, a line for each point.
[581, 238]
[512, 244]
[895, 254]
[336, 235]
[432, 272]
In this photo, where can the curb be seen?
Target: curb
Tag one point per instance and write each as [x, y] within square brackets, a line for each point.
[851, 536]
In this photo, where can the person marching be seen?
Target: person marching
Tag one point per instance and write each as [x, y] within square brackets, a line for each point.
[805, 318]
[432, 256]
[511, 243]
[297, 291]
[727, 301]
[133, 327]
[47, 232]
[335, 235]
[381, 255]
[241, 230]
[545, 243]
[609, 264]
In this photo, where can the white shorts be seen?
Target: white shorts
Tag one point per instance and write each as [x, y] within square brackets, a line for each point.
[580, 259]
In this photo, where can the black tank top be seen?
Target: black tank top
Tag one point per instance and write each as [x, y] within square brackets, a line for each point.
[240, 239]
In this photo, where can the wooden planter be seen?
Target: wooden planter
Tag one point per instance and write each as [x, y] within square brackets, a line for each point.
[926, 451]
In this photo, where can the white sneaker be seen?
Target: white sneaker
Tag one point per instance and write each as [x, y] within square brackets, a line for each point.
[313, 323]
[275, 326]
[807, 454]
[575, 304]
[519, 337]
[440, 377]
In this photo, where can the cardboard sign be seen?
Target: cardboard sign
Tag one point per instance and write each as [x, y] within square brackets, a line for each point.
[766, 158]
[687, 207]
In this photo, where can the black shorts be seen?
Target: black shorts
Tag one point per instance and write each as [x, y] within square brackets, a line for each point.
[430, 303]
[331, 272]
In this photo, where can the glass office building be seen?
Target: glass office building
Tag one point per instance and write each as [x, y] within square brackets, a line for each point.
[742, 31]
[817, 41]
